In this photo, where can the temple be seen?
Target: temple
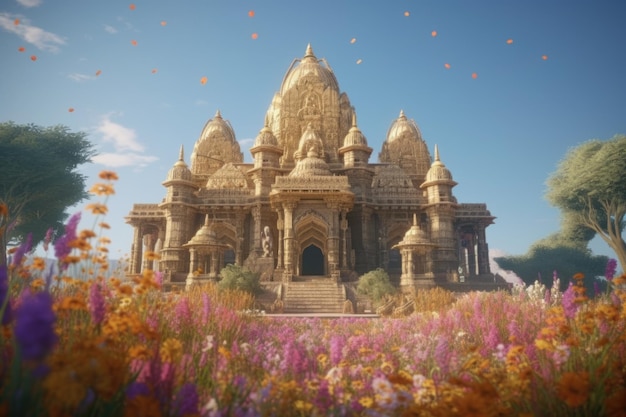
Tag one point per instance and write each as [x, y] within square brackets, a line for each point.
[312, 204]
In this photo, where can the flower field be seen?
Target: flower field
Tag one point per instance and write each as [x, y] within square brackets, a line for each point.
[86, 342]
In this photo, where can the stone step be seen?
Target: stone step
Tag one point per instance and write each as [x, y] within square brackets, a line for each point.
[313, 295]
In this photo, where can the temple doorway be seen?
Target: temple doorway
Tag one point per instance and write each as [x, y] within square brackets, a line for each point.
[312, 261]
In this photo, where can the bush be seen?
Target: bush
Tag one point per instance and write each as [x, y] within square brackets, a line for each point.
[235, 277]
[376, 285]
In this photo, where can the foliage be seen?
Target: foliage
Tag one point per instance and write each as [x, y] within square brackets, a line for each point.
[78, 344]
[433, 299]
[235, 277]
[376, 285]
[552, 255]
[589, 188]
[38, 179]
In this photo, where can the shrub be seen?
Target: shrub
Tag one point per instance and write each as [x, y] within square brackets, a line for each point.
[376, 285]
[235, 277]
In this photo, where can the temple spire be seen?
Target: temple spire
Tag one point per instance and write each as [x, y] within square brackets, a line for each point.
[437, 153]
[181, 153]
[309, 51]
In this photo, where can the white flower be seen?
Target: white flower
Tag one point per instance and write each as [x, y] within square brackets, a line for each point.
[208, 345]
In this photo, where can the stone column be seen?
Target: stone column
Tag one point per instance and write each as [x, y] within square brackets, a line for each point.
[256, 216]
[344, 243]
[280, 226]
[135, 252]
[193, 262]
[483, 252]
[288, 208]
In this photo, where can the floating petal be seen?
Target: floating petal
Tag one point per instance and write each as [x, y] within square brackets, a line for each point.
[407, 14]
[132, 6]
[71, 110]
[509, 41]
[544, 57]
[98, 73]
[163, 23]
[353, 40]
[433, 33]
[33, 57]
[446, 65]
[16, 22]
[21, 49]
[358, 61]
[251, 13]
[134, 42]
[474, 75]
[203, 80]
[255, 35]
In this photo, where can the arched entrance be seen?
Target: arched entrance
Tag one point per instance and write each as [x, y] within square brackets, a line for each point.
[312, 261]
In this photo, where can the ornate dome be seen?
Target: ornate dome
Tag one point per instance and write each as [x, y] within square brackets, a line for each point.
[415, 236]
[309, 156]
[438, 171]
[309, 66]
[215, 147]
[266, 138]
[403, 128]
[205, 236]
[179, 171]
[309, 140]
[354, 137]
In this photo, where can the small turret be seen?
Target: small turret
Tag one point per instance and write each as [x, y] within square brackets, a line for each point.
[439, 182]
[355, 150]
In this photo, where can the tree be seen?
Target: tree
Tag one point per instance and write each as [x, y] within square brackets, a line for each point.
[556, 253]
[589, 189]
[376, 285]
[235, 277]
[38, 180]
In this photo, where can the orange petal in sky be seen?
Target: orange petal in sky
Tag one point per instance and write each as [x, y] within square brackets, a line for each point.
[98, 73]
[71, 109]
[16, 22]
[407, 14]
[154, 70]
[21, 49]
[33, 58]
[358, 61]
[474, 75]
[446, 65]
[255, 35]
[352, 40]
[132, 6]
[544, 57]
[134, 42]
[203, 80]
[509, 41]
[163, 23]
[433, 33]
[251, 13]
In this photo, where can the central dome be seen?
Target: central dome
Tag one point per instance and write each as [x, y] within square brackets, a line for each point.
[309, 67]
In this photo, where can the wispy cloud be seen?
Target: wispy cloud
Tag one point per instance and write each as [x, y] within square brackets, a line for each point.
[80, 77]
[29, 3]
[128, 151]
[43, 40]
[509, 276]
[110, 29]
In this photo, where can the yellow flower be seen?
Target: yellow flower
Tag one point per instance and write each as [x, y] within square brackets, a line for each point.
[573, 388]
[171, 350]
[152, 256]
[139, 352]
[366, 402]
[39, 263]
[37, 283]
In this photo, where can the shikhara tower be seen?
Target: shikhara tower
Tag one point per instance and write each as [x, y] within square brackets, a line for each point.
[324, 209]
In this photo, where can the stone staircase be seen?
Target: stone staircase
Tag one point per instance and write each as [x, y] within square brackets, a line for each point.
[313, 295]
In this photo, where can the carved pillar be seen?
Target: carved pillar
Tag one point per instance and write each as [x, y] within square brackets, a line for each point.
[344, 243]
[471, 254]
[367, 259]
[280, 226]
[288, 208]
[193, 262]
[213, 256]
[135, 252]
[333, 240]
[256, 216]
[240, 234]
[483, 251]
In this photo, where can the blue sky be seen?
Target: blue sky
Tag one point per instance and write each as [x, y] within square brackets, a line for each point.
[501, 134]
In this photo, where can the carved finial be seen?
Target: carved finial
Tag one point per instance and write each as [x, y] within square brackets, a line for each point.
[402, 116]
[437, 153]
[218, 115]
[353, 118]
[181, 153]
[206, 219]
[414, 219]
[309, 51]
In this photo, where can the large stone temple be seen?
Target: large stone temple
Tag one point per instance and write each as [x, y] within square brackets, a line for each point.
[312, 204]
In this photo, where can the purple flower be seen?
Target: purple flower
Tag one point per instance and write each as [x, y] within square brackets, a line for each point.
[568, 301]
[62, 244]
[609, 272]
[34, 325]
[25, 247]
[97, 304]
[136, 389]
[186, 402]
[336, 349]
[5, 303]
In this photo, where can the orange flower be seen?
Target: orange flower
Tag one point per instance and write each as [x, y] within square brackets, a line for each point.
[104, 225]
[573, 388]
[86, 234]
[152, 256]
[102, 189]
[4, 210]
[39, 263]
[108, 175]
[72, 303]
[97, 208]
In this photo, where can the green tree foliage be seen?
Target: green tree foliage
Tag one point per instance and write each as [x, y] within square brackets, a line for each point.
[589, 188]
[38, 179]
[235, 277]
[376, 285]
[566, 257]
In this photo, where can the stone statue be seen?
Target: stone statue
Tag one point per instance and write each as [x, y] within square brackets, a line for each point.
[266, 242]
